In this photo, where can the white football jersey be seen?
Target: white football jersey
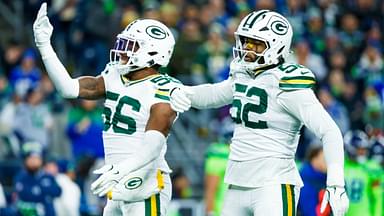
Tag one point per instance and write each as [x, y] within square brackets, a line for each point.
[266, 135]
[126, 112]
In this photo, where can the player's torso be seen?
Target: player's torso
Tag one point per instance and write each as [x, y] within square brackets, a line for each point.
[266, 135]
[126, 113]
[263, 127]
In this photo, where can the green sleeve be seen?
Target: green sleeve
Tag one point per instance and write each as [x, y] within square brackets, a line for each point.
[215, 166]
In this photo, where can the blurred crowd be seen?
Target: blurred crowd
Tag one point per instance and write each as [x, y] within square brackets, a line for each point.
[341, 41]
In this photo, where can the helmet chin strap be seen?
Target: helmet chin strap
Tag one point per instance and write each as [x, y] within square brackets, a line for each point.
[254, 72]
[124, 69]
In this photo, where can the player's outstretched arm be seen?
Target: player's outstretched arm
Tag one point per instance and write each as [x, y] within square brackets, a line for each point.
[158, 126]
[304, 105]
[203, 96]
[83, 87]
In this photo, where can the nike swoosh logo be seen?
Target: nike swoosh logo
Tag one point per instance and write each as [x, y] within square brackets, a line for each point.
[302, 72]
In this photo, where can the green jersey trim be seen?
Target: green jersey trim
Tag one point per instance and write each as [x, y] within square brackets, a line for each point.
[126, 81]
[297, 82]
[298, 78]
[162, 97]
[162, 94]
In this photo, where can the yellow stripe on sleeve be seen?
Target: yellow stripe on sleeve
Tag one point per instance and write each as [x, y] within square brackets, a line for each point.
[297, 81]
[163, 93]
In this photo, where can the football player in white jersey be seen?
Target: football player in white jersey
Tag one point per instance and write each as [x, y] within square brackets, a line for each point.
[271, 100]
[137, 114]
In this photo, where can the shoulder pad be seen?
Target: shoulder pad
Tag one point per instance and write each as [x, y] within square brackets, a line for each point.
[295, 76]
[165, 80]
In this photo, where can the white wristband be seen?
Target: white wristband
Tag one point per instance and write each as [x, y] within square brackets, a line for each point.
[335, 175]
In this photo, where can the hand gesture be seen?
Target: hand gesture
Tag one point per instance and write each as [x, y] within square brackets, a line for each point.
[42, 29]
[338, 200]
[110, 176]
[180, 99]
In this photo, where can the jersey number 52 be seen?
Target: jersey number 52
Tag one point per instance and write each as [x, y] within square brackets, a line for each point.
[243, 110]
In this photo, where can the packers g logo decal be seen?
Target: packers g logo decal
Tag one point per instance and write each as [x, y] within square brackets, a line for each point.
[133, 183]
[279, 27]
[156, 32]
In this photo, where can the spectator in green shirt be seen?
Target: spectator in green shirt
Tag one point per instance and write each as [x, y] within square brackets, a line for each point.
[215, 165]
[362, 181]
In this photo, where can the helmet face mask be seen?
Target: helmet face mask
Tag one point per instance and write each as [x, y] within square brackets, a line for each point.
[123, 53]
[266, 26]
[143, 43]
[247, 51]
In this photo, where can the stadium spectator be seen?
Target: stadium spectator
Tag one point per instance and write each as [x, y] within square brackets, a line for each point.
[68, 203]
[33, 119]
[296, 15]
[35, 189]
[215, 165]
[27, 74]
[313, 172]
[84, 130]
[5, 90]
[334, 108]
[180, 65]
[370, 68]
[373, 116]
[304, 56]
[351, 38]
[315, 31]
[181, 186]
[13, 52]
[212, 57]
[362, 177]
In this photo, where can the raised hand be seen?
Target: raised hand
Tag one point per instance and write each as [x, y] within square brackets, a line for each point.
[42, 28]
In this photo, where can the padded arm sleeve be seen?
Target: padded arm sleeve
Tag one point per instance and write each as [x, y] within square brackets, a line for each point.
[304, 105]
[153, 142]
[211, 95]
[65, 85]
